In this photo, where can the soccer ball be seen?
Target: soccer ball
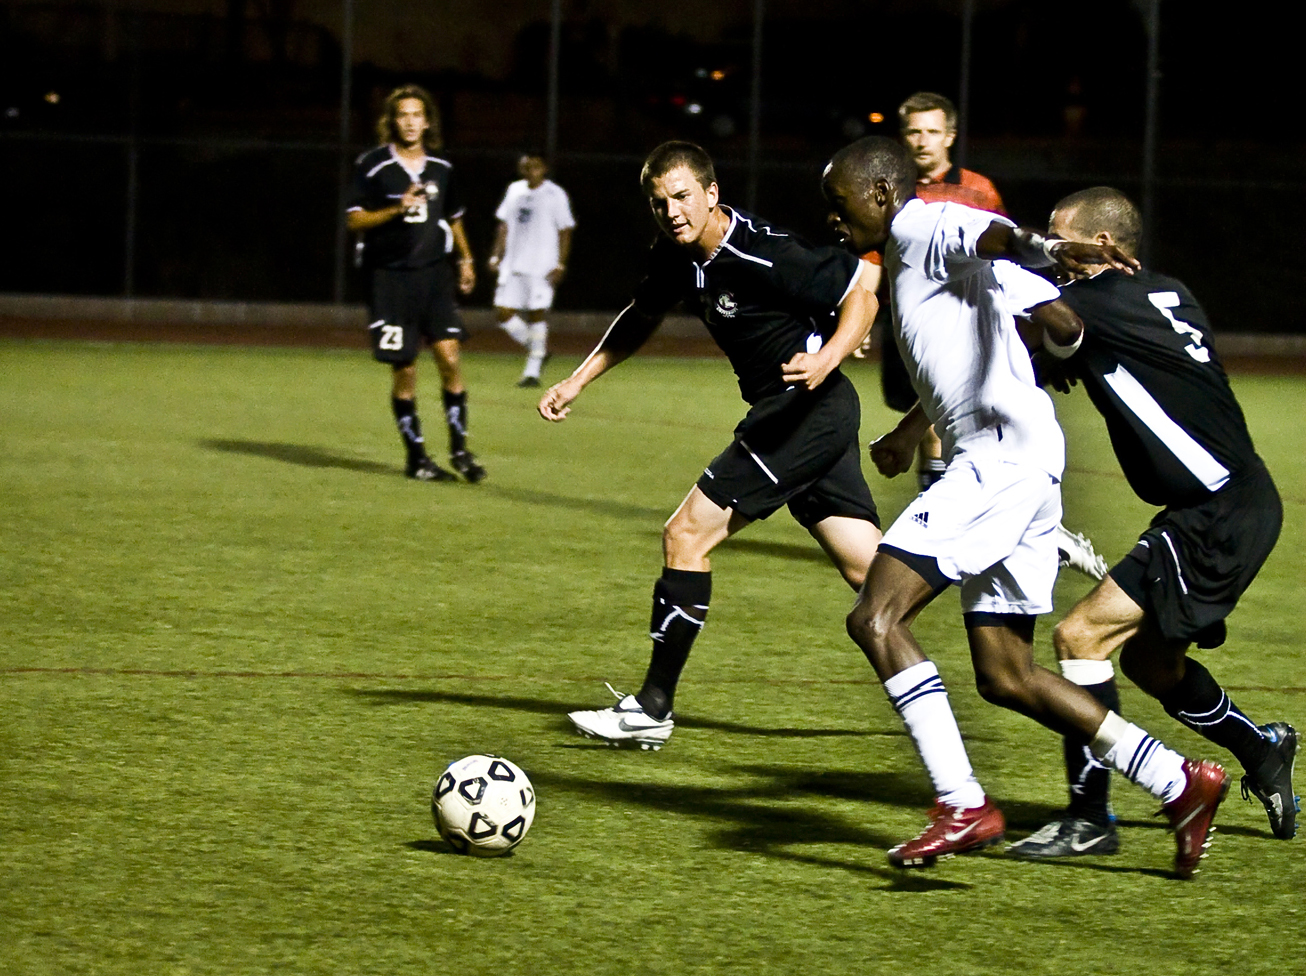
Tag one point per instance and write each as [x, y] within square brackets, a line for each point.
[483, 805]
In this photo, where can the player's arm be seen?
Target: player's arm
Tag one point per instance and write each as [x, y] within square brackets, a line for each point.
[893, 453]
[1031, 249]
[466, 264]
[627, 333]
[359, 220]
[856, 316]
[499, 248]
[564, 253]
[1052, 332]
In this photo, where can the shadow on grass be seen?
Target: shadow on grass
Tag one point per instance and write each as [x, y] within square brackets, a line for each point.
[788, 833]
[543, 706]
[595, 506]
[303, 454]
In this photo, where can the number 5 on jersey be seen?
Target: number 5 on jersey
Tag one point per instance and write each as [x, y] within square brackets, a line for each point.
[1166, 300]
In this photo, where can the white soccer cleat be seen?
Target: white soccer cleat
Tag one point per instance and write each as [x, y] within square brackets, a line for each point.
[625, 723]
[1076, 551]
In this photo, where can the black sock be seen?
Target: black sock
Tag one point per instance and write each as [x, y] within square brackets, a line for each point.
[680, 600]
[1089, 779]
[1202, 705]
[410, 428]
[455, 415]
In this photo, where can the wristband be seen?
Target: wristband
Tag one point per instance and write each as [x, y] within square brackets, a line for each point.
[1032, 249]
[1062, 352]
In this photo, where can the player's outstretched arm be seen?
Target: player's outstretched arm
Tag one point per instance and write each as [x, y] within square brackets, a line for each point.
[1031, 249]
[628, 331]
[893, 453]
[856, 316]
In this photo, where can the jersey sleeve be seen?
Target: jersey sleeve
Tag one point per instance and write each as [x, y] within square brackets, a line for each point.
[1023, 290]
[660, 289]
[362, 190]
[563, 217]
[950, 251]
[504, 210]
[816, 277]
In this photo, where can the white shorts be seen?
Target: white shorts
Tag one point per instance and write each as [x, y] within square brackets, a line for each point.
[989, 524]
[523, 292]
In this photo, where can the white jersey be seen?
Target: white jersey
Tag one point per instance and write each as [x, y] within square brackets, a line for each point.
[953, 322]
[533, 218]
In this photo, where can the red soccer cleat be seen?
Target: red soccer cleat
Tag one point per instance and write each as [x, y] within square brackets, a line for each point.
[1191, 815]
[951, 831]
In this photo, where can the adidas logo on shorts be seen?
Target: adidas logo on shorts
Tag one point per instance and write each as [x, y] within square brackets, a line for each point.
[922, 519]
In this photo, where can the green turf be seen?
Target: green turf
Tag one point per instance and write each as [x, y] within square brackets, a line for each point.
[238, 647]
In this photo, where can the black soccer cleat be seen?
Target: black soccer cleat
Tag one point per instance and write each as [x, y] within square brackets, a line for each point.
[1272, 781]
[464, 462]
[428, 470]
[528, 381]
[1071, 837]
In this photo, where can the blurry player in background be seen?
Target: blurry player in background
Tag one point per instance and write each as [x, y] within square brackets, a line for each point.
[531, 246]
[928, 128]
[406, 205]
[1147, 363]
[987, 525]
[786, 314]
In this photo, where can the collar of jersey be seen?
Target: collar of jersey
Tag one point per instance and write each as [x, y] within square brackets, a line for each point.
[400, 160]
[734, 219]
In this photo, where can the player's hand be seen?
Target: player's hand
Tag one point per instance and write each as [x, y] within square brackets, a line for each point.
[412, 198]
[555, 276]
[466, 276]
[1081, 258]
[492, 264]
[1053, 372]
[807, 368]
[555, 404]
[893, 452]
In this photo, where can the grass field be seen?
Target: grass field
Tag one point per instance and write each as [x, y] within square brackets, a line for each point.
[237, 647]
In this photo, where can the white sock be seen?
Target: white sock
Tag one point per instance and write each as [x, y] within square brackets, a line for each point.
[518, 329]
[1086, 673]
[919, 697]
[537, 346]
[1142, 759]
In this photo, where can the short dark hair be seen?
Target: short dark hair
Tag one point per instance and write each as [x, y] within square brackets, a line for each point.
[874, 158]
[1103, 208]
[385, 126]
[928, 102]
[671, 155]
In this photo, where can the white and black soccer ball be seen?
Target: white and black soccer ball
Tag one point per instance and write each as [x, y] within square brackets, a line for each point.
[483, 805]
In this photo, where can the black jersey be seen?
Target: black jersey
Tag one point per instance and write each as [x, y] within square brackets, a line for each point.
[763, 295]
[1150, 369]
[413, 240]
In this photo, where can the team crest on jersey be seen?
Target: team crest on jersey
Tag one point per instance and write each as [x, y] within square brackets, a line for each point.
[726, 305]
[432, 190]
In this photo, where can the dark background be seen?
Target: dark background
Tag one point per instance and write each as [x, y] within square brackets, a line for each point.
[231, 109]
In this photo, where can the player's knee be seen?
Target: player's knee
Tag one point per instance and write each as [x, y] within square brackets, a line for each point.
[682, 539]
[1070, 638]
[1005, 687]
[871, 627]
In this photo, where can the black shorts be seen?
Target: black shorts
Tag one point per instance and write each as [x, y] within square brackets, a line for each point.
[895, 383]
[410, 307]
[798, 448]
[1192, 564]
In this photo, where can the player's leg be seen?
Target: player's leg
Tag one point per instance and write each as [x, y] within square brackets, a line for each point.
[681, 598]
[850, 543]
[1190, 792]
[537, 343]
[403, 404]
[447, 352]
[898, 586]
[511, 322]
[1084, 641]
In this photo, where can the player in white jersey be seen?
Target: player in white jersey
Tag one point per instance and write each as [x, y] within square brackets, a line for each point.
[531, 247]
[988, 524]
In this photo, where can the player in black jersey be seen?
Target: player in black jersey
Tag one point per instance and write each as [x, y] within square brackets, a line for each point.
[786, 314]
[1148, 365]
[407, 208]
